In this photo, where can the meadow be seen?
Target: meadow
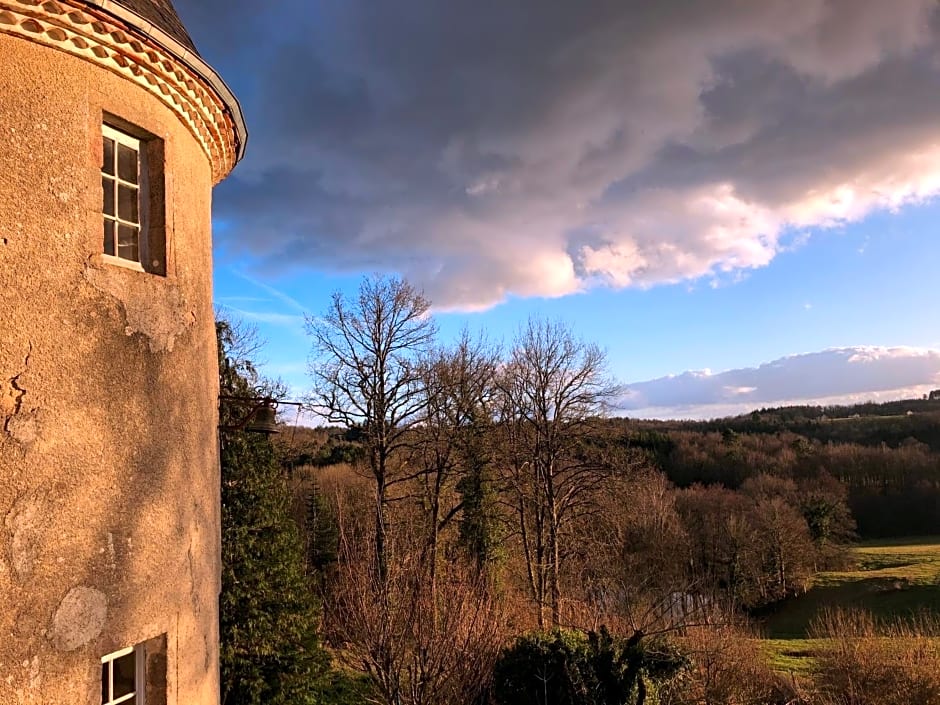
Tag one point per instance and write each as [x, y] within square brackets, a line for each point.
[891, 579]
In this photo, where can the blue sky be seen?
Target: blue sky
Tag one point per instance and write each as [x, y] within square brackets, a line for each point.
[738, 188]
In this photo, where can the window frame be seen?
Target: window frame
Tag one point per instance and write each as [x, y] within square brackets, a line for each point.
[139, 691]
[142, 189]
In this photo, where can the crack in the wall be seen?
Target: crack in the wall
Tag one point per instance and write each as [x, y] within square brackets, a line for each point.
[13, 393]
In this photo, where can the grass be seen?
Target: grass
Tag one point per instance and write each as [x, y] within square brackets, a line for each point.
[791, 655]
[891, 579]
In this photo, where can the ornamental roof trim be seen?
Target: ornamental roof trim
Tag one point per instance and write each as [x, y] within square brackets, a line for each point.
[158, 21]
[109, 34]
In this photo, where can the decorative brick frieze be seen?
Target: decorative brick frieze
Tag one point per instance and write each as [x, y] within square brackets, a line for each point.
[93, 35]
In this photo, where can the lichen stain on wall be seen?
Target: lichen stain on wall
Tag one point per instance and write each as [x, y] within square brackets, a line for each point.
[155, 309]
[79, 618]
[24, 521]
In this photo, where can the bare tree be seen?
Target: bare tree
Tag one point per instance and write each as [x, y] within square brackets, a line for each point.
[418, 646]
[367, 376]
[551, 388]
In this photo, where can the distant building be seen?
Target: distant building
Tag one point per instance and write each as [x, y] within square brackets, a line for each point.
[112, 133]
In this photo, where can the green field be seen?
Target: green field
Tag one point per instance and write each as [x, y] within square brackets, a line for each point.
[890, 579]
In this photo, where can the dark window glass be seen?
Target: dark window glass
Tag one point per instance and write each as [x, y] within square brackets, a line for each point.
[104, 683]
[107, 188]
[109, 237]
[128, 243]
[127, 164]
[124, 675]
[127, 203]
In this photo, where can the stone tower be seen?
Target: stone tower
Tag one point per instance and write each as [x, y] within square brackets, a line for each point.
[113, 131]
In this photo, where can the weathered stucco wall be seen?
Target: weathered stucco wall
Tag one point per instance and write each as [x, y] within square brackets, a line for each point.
[109, 487]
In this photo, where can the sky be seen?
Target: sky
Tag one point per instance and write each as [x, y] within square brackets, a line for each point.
[737, 200]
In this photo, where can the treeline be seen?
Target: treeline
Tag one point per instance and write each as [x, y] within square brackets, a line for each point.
[868, 423]
[890, 475]
[891, 490]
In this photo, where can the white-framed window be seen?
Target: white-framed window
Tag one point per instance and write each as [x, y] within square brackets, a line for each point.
[124, 197]
[122, 677]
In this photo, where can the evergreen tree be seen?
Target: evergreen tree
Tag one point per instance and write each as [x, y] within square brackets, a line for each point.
[479, 528]
[270, 651]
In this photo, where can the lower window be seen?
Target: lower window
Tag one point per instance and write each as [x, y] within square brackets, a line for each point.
[122, 677]
[135, 675]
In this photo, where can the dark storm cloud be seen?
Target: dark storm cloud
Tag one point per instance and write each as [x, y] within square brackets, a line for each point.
[540, 148]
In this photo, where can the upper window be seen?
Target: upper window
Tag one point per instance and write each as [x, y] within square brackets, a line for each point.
[132, 200]
[121, 186]
[122, 677]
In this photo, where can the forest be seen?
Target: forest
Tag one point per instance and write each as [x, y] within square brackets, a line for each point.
[471, 523]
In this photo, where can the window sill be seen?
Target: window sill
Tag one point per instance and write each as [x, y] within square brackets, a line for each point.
[121, 262]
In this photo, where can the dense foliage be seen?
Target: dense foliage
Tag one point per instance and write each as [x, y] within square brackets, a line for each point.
[571, 668]
[889, 466]
[270, 650]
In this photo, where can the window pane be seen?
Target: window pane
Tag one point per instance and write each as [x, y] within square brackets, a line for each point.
[107, 189]
[127, 164]
[109, 237]
[104, 683]
[107, 160]
[124, 673]
[127, 203]
[127, 245]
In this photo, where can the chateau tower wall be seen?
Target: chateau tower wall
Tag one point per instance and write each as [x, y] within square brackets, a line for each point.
[109, 472]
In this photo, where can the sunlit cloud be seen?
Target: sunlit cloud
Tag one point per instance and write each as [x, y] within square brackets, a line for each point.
[838, 376]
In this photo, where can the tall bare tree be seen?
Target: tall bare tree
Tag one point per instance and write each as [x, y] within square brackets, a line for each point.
[552, 386]
[367, 376]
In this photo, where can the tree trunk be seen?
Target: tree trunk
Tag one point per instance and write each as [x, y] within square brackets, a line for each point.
[381, 558]
[554, 586]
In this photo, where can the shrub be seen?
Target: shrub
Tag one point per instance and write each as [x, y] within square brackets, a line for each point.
[727, 667]
[571, 668]
[416, 645]
[867, 663]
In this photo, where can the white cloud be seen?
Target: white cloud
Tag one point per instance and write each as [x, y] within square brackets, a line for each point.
[835, 376]
[286, 320]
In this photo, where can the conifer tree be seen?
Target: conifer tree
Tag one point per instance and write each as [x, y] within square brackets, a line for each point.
[270, 650]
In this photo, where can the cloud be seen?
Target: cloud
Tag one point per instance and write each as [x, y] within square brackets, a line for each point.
[536, 148]
[279, 295]
[260, 310]
[839, 375]
[293, 322]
